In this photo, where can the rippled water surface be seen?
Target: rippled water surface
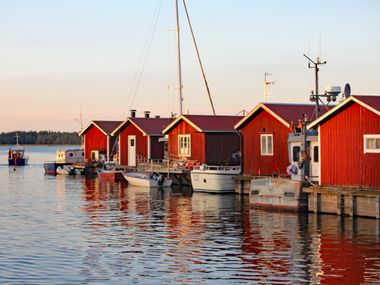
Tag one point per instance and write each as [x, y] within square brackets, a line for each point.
[76, 230]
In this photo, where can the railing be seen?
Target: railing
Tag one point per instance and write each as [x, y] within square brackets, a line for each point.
[219, 167]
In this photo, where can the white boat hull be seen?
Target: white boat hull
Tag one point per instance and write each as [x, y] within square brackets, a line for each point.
[214, 181]
[144, 180]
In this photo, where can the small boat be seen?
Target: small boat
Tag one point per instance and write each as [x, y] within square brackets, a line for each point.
[110, 173]
[64, 158]
[147, 179]
[65, 170]
[214, 179]
[17, 157]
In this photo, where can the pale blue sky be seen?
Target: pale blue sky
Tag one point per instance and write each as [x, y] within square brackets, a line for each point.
[60, 58]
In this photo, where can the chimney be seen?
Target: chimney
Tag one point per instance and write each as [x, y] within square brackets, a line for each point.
[132, 113]
[146, 114]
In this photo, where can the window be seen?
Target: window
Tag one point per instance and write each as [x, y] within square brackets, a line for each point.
[371, 143]
[266, 144]
[316, 154]
[296, 153]
[184, 145]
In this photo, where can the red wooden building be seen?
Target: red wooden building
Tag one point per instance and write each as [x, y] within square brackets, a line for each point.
[97, 139]
[265, 132]
[349, 137]
[205, 139]
[141, 139]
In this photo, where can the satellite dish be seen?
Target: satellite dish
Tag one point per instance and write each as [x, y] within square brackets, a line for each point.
[347, 90]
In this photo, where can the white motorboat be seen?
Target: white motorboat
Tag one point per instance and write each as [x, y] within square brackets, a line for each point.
[214, 179]
[147, 179]
[65, 170]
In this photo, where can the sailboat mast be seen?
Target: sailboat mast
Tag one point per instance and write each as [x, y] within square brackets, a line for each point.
[179, 59]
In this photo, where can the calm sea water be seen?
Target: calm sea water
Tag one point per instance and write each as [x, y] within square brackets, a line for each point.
[76, 230]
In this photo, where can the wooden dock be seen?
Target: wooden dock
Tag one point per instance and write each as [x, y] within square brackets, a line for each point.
[344, 201]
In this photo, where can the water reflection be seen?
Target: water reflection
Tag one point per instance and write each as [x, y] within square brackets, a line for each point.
[62, 230]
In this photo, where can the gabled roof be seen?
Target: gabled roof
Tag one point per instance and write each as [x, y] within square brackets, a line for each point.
[207, 123]
[285, 113]
[371, 103]
[148, 126]
[106, 127]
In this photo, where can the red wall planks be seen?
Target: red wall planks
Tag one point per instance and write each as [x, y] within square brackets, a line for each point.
[220, 147]
[253, 162]
[94, 139]
[343, 161]
[197, 141]
[141, 143]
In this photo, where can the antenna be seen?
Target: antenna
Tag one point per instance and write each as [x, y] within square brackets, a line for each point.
[267, 84]
[80, 121]
[314, 97]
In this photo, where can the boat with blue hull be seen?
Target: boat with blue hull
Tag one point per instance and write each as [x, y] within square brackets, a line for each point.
[17, 157]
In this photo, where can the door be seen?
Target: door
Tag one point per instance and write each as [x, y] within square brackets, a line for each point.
[295, 156]
[131, 150]
[314, 158]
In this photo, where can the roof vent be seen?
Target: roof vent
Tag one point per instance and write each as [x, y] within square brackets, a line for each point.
[157, 116]
[132, 113]
[146, 114]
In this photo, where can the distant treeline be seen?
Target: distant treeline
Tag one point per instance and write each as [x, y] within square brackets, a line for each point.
[42, 137]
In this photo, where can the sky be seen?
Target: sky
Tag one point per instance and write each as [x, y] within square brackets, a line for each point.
[97, 59]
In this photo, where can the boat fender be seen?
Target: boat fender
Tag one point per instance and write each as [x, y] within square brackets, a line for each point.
[292, 169]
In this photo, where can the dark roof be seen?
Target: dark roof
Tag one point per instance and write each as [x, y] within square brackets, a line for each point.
[207, 123]
[371, 101]
[149, 126]
[286, 112]
[106, 126]
[294, 112]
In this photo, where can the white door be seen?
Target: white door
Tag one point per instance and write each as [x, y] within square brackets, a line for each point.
[131, 150]
[295, 156]
[314, 165]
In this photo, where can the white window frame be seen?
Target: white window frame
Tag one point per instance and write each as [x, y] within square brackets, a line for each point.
[266, 152]
[365, 143]
[182, 149]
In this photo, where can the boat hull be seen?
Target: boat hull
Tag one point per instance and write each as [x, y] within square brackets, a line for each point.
[19, 161]
[51, 167]
[278, 193]
[213, 181]
[144, 180]
[111, 176]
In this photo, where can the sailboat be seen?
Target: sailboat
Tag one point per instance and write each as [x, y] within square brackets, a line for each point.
[17, 157]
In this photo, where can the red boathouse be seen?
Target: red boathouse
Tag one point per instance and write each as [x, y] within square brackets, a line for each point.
[141, 139]
[97, 140]
[204, 139]
[265, 131]
[349, 137]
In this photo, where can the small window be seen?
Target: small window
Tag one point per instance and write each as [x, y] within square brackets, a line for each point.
[296, 153]
[371, 143]
[71, 154]
[266, 144]
[132, 142]
[166, 147]
[316, 154]
[184, 145]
